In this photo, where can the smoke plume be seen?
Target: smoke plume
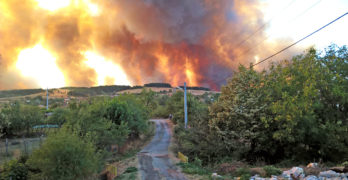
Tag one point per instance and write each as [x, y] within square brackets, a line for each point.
[197, 41]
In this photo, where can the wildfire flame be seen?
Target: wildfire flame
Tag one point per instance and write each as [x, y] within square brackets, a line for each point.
[88, 42]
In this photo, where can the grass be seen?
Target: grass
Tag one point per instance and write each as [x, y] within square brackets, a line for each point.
[130, 173]
[191, 168]
[271, 170]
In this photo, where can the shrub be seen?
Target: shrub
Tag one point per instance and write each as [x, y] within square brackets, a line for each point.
[65, 156]
[243, 173]
[271, 170]
[191, 168]
[131, 169]
[14, 170]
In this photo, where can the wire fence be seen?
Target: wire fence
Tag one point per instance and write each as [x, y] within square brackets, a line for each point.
[14, 148]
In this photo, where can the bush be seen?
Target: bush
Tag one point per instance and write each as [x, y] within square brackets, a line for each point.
[14, 170]
[286, 112]
[65, 156]
[190, 168]
[243, 173]
[271, 170]
[127, 109]
[131, 169]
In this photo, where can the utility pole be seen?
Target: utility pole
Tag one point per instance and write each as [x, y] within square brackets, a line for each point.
[185, 99]
[47, 99]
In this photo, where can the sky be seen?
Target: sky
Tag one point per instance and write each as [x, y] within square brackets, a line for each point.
[56, 43]
[295, 19]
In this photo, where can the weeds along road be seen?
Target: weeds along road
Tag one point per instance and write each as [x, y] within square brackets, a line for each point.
[154, 161]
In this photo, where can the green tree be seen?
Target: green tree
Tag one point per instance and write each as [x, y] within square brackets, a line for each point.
[127, 109]
[65, 156]
[90, 122]
[59, 116]
[288, 111]
[30, 116]
[19, 118]
[147, 98]
[236, 117]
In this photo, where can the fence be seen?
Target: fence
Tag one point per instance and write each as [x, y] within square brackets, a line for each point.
[14, 148]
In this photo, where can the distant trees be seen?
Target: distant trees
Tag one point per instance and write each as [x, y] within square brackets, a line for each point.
[164, 85]
[21, 92]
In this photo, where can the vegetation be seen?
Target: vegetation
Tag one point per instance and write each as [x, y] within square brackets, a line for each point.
[271, 170]
[89, 130]
[196, 88]
[15, 169]
[165, 85]
[65, 155]
[17, 117]
[21, 92]
[93, 91]
[296, 111]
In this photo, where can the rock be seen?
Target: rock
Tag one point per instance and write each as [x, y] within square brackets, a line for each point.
[294, 173]
[257, 177]
[312, 165]
[273, 177]
[340, 169]
[215, 176]
[329, 174]
[311, 178]
[313, 170]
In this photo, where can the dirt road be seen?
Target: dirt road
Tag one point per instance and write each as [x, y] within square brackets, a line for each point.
[154, 161]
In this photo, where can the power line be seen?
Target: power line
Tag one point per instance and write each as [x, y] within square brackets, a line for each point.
[264, 25]
[300, 40]
[299, 15]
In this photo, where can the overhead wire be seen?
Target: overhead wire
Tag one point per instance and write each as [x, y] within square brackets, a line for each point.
[264, 24]
[267, 37]
[289, 46]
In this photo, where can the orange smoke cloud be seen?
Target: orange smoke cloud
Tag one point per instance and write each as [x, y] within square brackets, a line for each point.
[150, 40]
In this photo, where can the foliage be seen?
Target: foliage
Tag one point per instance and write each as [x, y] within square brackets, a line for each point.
[147, 98]
[59, 116]
[287, 112]
[197, 111]
[166, 85]
[190, 168]
[89, 121]
[15, 170]
[17, 117]
[271, 170]
[21, 92]
[196, 141]
[195, 88]
[131, 169]
[93, 91]
[128, 109]
[65, 155]
[243, 173]
[295, 111]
